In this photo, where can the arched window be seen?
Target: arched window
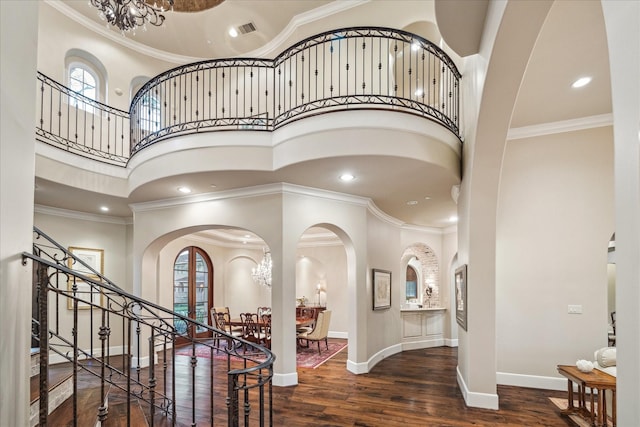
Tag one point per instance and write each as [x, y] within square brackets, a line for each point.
[87, 76]
[83, 81]
[192, 289]
[149, 111]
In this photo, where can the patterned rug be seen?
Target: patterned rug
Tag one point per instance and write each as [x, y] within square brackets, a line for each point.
[305, 357]
[580, 421]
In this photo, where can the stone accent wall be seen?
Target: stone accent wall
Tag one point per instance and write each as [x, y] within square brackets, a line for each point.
[430, 273]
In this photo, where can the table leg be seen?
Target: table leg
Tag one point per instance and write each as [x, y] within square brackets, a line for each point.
[613, 404]
[570, 402]
[593, 417]
[603, 412]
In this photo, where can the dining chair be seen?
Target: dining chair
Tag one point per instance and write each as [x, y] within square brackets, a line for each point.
[223, 320]
[228, 313]
[266, 329]
[612, 335]
[319, 333]
[307, 313]
[251, 331]
[263, 310]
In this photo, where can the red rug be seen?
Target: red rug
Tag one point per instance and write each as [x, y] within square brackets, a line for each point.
[305, 357]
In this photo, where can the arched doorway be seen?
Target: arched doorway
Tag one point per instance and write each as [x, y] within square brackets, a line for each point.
[192, 290]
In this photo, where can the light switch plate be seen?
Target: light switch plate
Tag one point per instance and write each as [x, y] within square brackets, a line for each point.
[575, 309]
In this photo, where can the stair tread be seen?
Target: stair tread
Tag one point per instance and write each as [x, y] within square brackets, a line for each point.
[87, 398]
[57, 375]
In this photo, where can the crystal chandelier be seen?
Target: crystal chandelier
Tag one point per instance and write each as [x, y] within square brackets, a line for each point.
[129, 14]
[262, 273]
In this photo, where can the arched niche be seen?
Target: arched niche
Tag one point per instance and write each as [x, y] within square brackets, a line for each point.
[424, 260]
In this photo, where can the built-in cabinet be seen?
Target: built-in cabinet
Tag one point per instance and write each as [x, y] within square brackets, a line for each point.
[422, 328]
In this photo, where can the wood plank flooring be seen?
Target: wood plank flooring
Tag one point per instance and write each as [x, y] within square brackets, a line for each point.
[413, 388]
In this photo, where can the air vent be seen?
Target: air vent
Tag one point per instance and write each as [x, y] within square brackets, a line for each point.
[247, 28]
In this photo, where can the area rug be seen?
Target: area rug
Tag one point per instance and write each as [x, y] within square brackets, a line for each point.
[562, 404]
[305, 357]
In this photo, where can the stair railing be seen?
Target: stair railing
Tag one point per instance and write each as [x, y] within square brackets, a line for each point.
[86, 320]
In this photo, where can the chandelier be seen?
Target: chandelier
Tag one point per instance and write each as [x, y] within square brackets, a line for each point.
[262, 273]
[129, 14]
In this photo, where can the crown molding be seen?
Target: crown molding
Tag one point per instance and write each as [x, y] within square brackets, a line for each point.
[297, 21]
[303, 19]
[582, 123]
[421, 229]
[375, 211]
[117, 38]
[66, 213]
[258, 190]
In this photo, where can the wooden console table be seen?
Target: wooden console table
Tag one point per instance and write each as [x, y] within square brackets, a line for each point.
[597, 380]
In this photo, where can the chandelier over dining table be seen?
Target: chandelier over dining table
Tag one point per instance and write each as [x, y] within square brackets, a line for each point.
[129, 14]
[262, 273]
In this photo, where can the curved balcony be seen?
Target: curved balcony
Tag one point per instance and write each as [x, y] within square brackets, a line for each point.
[346, 69]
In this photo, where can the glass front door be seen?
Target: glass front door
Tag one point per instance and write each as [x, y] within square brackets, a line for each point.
[192, 290]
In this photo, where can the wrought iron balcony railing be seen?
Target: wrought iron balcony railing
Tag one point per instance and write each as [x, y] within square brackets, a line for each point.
[346, 69]
[104, 333]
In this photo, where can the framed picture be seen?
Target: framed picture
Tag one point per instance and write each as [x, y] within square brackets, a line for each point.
[94, 258]
[461, 296]
[84, 292]
[381, 289]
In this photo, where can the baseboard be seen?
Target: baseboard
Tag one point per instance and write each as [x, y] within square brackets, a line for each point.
[451, 343]
[142, 362]
[285, 380]
[357, 368]
[364, 367]
[476, 400]
[531, 381]
[55, 358]
[417, 345]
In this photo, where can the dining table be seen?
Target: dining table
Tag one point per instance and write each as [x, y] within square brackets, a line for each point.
[300, 321]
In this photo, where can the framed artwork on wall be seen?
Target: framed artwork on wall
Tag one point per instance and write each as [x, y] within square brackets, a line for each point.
[381, 280]
[86, 294]
[461, 296]
[93, 258]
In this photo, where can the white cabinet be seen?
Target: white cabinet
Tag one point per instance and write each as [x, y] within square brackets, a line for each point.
[422, 328]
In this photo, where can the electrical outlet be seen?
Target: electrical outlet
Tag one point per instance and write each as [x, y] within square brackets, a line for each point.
[575, 309]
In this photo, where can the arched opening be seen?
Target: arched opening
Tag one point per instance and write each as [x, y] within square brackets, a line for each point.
[192, 290]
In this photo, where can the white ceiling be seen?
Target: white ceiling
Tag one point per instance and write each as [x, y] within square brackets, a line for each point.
[571, 45]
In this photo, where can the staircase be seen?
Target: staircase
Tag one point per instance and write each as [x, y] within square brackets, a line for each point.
[107, 358]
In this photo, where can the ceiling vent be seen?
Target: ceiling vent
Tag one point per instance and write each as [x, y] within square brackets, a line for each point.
[247, 28]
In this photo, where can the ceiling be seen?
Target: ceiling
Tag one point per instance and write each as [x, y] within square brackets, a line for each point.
[572, 44]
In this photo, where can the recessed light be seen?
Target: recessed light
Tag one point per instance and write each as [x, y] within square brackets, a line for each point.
[453, 218]
[582, 81]
[184, 190]
[213, 186]
[419, 92]
[415, 46]
[412, 202]
[347, 177]
[427, 198]
[247, 236]
[104, 208]
[233, 32]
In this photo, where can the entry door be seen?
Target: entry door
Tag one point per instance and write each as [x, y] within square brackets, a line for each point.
[192, 290]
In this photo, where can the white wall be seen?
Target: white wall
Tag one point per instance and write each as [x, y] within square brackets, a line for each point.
[18, 45]
[555, 218]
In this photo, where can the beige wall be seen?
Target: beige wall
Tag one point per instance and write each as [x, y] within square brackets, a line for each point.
[555, 218]
[18, 45]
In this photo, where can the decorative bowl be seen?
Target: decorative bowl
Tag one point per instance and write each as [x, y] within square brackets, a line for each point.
[584, 365]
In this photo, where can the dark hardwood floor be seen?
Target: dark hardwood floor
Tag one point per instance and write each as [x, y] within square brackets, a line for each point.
[413, 388]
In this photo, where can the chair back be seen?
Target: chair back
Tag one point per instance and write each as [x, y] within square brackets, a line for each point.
[250, 328]
[222, 321]
[321, 329]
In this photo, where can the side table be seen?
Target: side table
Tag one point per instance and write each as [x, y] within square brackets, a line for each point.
[596, 379]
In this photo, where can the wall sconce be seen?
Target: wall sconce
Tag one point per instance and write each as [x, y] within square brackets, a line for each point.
[429, 291]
